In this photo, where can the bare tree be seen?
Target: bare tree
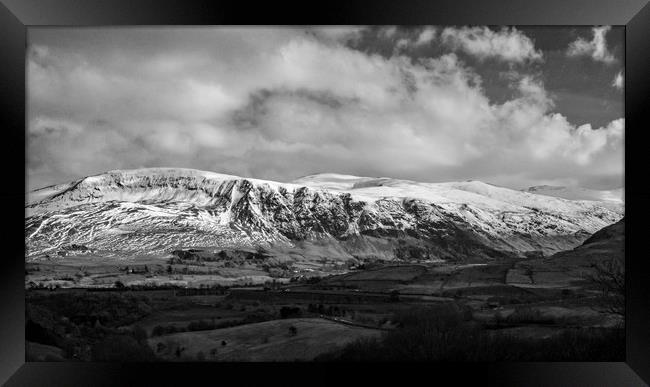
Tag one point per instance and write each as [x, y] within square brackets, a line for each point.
[609, 277]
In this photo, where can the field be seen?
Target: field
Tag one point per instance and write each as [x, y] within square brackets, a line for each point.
[42, 352]
[80, 272]
[266, 341]
[312, 318]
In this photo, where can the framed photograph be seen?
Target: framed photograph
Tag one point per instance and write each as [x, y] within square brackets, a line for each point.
[329, 193]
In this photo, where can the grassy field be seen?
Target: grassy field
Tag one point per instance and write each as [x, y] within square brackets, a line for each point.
[42, 352]
[265, 341]
[293, 321]
[88, 272]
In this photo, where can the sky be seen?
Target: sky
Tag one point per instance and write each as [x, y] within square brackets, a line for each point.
[511, 106]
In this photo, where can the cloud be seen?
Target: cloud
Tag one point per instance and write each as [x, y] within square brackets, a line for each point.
[344, 34]
[596, 47]
[508, 44]
[401, 44]
[422, 38]
[388, 32]
[279, 105]
[618, 81]
[427, 35]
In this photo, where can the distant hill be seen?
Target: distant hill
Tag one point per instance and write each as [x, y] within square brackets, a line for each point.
[574, 265]
[604, 244]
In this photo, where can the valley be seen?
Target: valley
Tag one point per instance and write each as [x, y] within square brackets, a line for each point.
[184, 265]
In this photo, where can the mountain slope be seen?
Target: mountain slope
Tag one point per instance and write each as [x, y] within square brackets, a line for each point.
[154, 211]
[607, 243]
[573, 266]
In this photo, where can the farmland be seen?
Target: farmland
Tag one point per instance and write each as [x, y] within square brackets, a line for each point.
[306, 319]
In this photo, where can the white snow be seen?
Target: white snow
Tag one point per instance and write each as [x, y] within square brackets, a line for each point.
[579, 193]
[157, 207]
[470, 192]
[173, 185]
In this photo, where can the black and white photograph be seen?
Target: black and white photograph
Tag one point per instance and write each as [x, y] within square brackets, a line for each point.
[325, 193]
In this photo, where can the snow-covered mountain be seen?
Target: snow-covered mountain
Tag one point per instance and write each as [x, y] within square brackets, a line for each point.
[154, 211]
[579, 193]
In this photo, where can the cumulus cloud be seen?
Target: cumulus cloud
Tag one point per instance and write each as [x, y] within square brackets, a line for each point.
[427, 35]
[388, 32]
[297, 103]
[508, 44]
[618, 80]
[596, 47]
[421, 38]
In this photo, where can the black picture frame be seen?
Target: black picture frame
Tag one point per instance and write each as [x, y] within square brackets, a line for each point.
[17, 15]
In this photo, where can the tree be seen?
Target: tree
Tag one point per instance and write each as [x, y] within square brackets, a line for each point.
[394, 296]
[158, 330]
[287, 312]
[609, 277]
[140, 334]
[293, 330]
[119, 285]
[118, 348]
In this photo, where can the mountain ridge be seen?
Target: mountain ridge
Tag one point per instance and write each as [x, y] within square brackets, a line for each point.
[152, 211]
[579, 193]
